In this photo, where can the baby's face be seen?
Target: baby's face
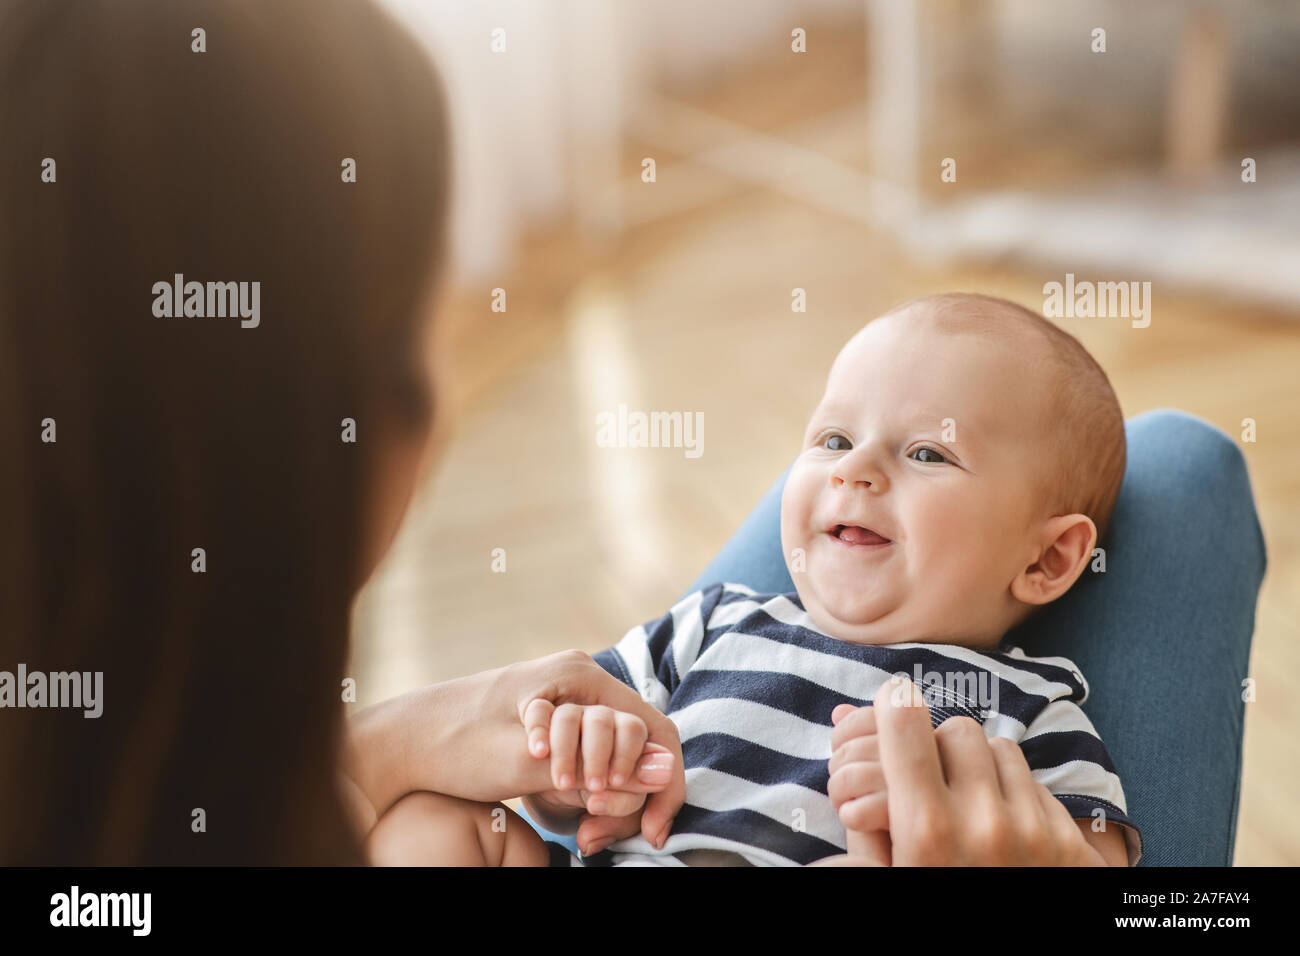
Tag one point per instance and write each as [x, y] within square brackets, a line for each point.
[912, 528]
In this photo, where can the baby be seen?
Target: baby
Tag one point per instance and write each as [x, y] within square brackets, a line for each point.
[956, 476]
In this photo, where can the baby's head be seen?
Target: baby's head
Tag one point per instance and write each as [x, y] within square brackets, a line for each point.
[956, 475]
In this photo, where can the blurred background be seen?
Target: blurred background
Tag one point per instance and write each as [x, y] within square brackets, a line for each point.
[819, 169]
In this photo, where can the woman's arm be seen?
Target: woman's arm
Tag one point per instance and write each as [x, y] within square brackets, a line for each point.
[466, 738]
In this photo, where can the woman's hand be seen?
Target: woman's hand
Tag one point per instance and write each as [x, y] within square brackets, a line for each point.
[466, 738]
[957, 798]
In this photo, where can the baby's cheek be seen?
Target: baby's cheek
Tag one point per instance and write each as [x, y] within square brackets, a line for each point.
[954, 544]
[973, 563]
[960, 520]
[798, 501]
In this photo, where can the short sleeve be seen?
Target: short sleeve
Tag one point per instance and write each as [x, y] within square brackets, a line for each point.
[652, 658]
[1066, 755]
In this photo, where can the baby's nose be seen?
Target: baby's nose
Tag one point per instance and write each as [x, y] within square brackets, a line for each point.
[859, 470]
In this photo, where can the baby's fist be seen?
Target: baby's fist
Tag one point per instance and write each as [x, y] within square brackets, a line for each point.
[857, 782]
[607, 742]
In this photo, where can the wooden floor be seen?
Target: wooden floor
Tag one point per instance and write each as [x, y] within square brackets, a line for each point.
[692, 313]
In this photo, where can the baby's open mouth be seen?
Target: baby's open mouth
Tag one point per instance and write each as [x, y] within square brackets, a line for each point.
[857, 535]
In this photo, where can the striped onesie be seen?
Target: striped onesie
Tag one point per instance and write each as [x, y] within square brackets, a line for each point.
[750, 683]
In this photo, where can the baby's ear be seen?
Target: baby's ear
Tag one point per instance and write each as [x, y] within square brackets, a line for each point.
[1066, 547]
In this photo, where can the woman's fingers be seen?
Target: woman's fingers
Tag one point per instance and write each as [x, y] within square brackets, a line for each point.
[1073, 849]
[562, 798]
[1020, 790]
[662, 763]
[908, 751]
[1047, 834]
[596, 833]
[653, 772]
[968, 765]
[613, 803]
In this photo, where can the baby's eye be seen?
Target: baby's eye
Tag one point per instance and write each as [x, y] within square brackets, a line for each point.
[936, 457]
[837, 443]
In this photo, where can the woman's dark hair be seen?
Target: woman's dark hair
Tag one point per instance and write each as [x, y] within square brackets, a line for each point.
[221, 689]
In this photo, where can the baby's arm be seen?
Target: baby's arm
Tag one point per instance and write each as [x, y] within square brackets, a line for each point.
[1109, 843]
[601, 763]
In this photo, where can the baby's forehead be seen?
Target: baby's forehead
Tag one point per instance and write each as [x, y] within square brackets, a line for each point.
[917, 371]
[955, 358]
[972, 327]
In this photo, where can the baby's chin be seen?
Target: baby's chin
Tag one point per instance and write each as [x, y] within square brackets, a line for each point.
[849, 620]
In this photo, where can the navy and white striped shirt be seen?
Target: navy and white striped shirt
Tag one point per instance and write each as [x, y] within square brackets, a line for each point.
[751, 682]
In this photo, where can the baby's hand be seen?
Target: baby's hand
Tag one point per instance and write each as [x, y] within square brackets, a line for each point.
[600, 758]
[857, 783]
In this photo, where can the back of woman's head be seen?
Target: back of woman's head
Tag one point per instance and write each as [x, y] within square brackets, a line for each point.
[221, 671]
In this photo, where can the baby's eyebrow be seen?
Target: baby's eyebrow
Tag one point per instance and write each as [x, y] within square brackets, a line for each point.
[834, 410]
[937, 421]
[922, 419]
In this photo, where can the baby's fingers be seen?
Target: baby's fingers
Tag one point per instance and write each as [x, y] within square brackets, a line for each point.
[854, 723]
[872, 847]
[537, 725]
[653, 772]
[597, 745]
[854, 751]
[566, 727]
[855, 780]
[866, 813]
[630, 736]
